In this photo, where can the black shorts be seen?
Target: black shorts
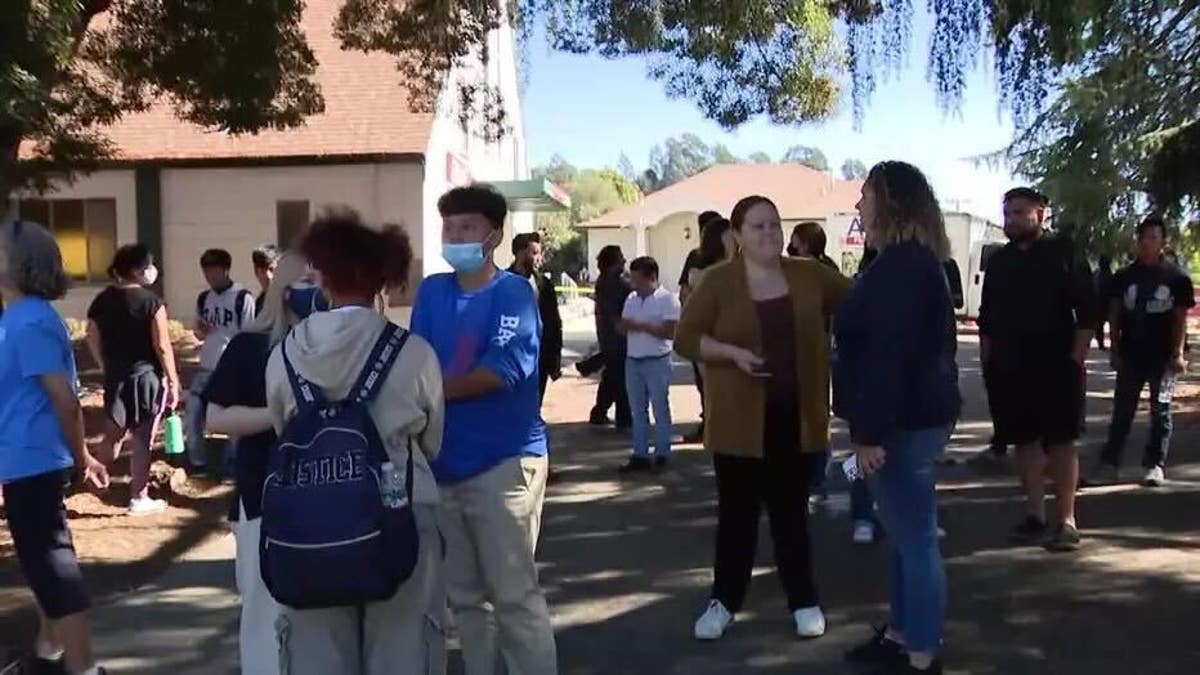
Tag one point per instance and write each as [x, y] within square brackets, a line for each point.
[134, 400]
[37, 519]
[1036, 400]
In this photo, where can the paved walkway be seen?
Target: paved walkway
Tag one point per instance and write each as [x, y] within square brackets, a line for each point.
[625, 564]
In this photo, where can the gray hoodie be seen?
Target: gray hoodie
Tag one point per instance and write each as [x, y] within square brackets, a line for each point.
[330, 350]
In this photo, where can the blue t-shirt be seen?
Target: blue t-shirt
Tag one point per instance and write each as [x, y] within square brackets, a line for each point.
[498, 328]
[33, 342]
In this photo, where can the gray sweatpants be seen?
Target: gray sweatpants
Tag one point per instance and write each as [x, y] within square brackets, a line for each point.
[401, 636]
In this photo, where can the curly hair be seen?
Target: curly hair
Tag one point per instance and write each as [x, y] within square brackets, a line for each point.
[906, 209]
[32, 260]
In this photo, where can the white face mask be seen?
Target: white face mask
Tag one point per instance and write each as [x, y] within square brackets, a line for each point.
[150, 276]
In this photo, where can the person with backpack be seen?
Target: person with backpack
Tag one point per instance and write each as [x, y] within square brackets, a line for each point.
[129, 338]
[484, 324]
[350, 541]
[236, 399]
[221, 312]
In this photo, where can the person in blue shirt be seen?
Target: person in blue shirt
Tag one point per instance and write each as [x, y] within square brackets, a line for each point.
[41, 441]
[484, 325]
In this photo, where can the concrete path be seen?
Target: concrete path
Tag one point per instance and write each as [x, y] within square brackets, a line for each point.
[626, 566]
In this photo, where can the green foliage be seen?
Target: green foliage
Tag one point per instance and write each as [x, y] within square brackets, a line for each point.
[854, 169]
[759, 157]
[808, 156]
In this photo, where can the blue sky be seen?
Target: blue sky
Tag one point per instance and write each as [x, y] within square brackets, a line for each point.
[590, 110]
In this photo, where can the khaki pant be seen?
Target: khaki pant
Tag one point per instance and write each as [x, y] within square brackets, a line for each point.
[401, 636]
[491, 525]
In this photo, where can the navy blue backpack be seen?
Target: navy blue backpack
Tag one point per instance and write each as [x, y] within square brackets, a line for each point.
[332, 533]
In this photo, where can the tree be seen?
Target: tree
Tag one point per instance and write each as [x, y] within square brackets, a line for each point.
[808, 156]
[678, 158]
[593, 192]
[723, 155]
[854, 169]
[759, 158]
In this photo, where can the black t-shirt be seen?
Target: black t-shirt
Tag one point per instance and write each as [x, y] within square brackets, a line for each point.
[125, 316]
[241, 380]
[1148, 296]
[692, 262]
[1035, 299]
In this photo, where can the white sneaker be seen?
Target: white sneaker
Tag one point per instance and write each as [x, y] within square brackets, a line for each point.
[810, 622]
[145, 506]
[714, 622]
[1154, 477]
[864, 532]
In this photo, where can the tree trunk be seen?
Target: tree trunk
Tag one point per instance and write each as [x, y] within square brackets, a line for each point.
[10, 145]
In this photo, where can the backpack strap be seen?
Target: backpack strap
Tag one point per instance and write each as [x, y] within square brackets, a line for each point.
[380, 362]
[306, 395]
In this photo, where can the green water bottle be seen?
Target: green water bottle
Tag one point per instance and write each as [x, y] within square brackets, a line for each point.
[173, 430]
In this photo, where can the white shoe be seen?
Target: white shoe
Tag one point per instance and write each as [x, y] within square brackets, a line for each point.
[864, 532]
[1154, 477]
[714, 622]
[810, 622]
[145, 506]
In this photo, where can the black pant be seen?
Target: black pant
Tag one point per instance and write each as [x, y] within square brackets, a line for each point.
[612, 390]
[699, 387]
[744, 485]
[1132, 378]
[37, 519]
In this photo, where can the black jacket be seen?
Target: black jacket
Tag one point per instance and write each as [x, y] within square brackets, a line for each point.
[612, 289]
[550, 354]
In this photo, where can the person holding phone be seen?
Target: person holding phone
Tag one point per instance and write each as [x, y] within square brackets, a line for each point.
[759, 326]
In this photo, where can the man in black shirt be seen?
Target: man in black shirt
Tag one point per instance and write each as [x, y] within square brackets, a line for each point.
[693, 256]
[264, 258]
[612, 289]
[527, 262]
[1148, 305]
[1035, 325]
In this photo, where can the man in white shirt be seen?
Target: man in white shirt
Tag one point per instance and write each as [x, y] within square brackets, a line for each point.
[221, 311]
[648, 321]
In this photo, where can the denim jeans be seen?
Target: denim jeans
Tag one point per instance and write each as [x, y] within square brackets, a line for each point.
[862, 504]
[648, 382]
[197, 446]
[905, 489]
[1132, 378]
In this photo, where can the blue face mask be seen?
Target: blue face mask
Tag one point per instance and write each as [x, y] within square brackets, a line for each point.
[464, 257]
[305, 300]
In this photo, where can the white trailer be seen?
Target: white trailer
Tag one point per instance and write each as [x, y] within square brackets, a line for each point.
[973, 240]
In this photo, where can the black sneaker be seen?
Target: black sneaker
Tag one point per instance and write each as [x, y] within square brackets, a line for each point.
[636, 464]
[1064, 540]
[1031, 530]
[662, 462]
[879, 650]
[599, 421]
[41, 666]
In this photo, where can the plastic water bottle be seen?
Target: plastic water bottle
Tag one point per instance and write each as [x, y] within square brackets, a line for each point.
[173, 432]
[392, 487]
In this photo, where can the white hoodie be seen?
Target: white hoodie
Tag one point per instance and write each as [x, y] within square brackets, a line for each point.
[330, 350]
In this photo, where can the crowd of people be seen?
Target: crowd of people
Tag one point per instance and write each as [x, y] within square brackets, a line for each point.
[389, 482]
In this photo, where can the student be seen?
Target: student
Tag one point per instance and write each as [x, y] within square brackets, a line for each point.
[896, 385]
[221, 312]
[759, 324]
[612, 288]
[483, 322]
[808, 241]
[527, 262]
[648, 322]
[1035, 325]
[1148, 307]
[41, 440]
[694, 256]
[129, 339]
[355, 262]
[236, 397]
[717, 245]
[264, 258]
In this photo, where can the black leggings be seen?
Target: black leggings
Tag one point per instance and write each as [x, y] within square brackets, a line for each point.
[37, 519]
[744, 486]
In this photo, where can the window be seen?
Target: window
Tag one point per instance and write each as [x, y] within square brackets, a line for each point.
[291, 217]
[86, 230]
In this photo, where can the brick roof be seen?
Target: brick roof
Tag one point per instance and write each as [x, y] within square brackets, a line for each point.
[798, 191]
[366, 113]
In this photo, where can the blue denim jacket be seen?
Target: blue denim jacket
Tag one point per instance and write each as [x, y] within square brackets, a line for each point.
[895, 345]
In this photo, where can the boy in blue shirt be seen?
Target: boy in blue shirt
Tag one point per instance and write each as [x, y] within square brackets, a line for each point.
[484, 325]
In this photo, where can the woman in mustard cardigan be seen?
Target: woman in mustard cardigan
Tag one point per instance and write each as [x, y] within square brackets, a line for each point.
[758, 323]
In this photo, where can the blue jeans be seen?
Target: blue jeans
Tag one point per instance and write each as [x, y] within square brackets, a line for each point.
[197, 408]
[905, 489]
[648, 382]
[862, 504]
[1132, 378]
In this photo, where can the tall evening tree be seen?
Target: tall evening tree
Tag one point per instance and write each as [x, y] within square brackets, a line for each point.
[808, 156]
[854, 169]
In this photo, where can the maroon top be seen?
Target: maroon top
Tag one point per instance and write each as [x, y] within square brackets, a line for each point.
[779, 353]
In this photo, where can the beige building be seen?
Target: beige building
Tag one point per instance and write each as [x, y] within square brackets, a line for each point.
[663, 224]
[181, 189]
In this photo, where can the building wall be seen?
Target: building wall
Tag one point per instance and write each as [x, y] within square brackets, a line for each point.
[669, 243]
[234, 209]
[458, 156]
[118, 185]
